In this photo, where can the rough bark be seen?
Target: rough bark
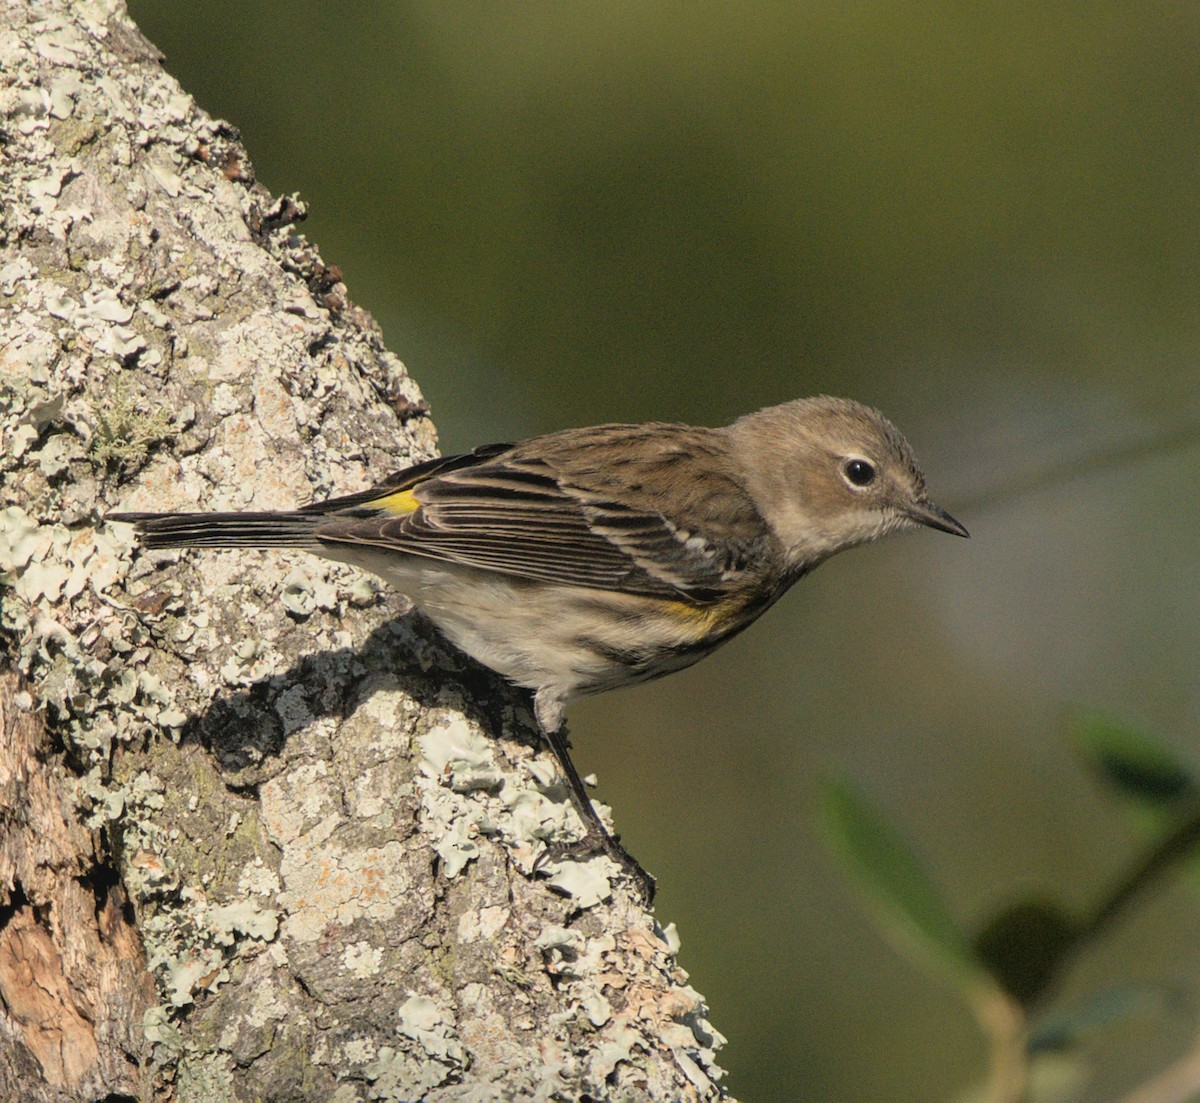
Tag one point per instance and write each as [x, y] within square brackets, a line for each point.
[263, 835]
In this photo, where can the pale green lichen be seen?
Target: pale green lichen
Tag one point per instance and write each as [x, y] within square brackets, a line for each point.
[21, 539]
[670, 935]
[398, 1077]
[162, 1033]
[458, 759]
[431, 1024]
[307, 588]
[459, 755]
[184, 975]
[126, 427]
[432, 1057]
[190, 942]
[45, 563]
[597, 1008]
[455, 833]
[208, 1077]
[588, 882]
[55, 456]
[561, 941]
[245, 918]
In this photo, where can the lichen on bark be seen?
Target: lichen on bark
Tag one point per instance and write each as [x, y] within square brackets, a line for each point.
[263, 834]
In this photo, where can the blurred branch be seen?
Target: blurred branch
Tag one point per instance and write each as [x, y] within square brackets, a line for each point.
[1004, 1022]
[1061, 471]
[1143, 875]
[1004, 1016]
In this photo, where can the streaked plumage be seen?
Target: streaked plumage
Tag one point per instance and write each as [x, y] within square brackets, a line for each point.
[588, 559]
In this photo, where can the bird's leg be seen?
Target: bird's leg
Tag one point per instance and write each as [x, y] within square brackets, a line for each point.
[596, 836]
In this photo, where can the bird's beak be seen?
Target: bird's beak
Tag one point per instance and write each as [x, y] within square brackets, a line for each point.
[926, 513]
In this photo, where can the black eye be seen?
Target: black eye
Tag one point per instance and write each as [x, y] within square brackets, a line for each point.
[859, 472]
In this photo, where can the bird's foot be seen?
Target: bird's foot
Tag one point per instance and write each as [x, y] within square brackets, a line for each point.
[609, 845]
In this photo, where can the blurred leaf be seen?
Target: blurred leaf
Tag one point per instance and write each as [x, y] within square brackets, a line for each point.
[1158, 788]
[1133, 762]
[1024, 945]
[906, 899]
[1064, 1028]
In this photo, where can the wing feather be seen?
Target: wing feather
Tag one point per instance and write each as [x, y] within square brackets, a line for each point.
[682, 528]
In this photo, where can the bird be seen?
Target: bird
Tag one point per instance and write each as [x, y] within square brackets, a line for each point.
[590, 559]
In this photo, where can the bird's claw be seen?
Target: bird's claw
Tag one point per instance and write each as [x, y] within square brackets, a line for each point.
[609, 845]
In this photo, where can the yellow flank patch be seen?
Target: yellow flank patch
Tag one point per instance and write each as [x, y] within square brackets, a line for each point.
[402, 503]
[706, 617]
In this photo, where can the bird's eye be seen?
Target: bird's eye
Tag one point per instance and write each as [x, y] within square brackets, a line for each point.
[859, 472]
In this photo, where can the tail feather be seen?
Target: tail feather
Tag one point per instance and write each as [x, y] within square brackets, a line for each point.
[222, 530]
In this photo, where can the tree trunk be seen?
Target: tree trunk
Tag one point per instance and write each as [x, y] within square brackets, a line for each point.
[263, 834]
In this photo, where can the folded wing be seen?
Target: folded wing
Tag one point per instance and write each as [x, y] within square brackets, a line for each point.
[615, 508]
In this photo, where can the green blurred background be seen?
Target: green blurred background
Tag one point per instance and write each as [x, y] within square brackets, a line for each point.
[983, 219]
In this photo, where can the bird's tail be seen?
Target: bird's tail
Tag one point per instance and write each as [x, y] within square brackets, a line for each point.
[222, 530]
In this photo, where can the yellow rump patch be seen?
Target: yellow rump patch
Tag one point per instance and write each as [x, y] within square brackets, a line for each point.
[402, 503]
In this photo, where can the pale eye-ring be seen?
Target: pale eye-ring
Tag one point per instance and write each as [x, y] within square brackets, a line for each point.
[859, 472]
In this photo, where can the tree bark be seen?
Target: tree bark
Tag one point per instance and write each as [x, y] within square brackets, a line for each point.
[263, 834]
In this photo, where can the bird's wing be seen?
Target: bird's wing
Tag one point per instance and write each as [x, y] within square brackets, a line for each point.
[549, 510]
[400, 481]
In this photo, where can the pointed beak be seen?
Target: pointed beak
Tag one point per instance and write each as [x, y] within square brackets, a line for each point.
[926, 513]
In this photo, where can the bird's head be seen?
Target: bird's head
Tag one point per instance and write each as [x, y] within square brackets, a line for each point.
[828, 474]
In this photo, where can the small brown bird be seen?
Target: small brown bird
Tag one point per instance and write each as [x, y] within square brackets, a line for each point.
[590, 559]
